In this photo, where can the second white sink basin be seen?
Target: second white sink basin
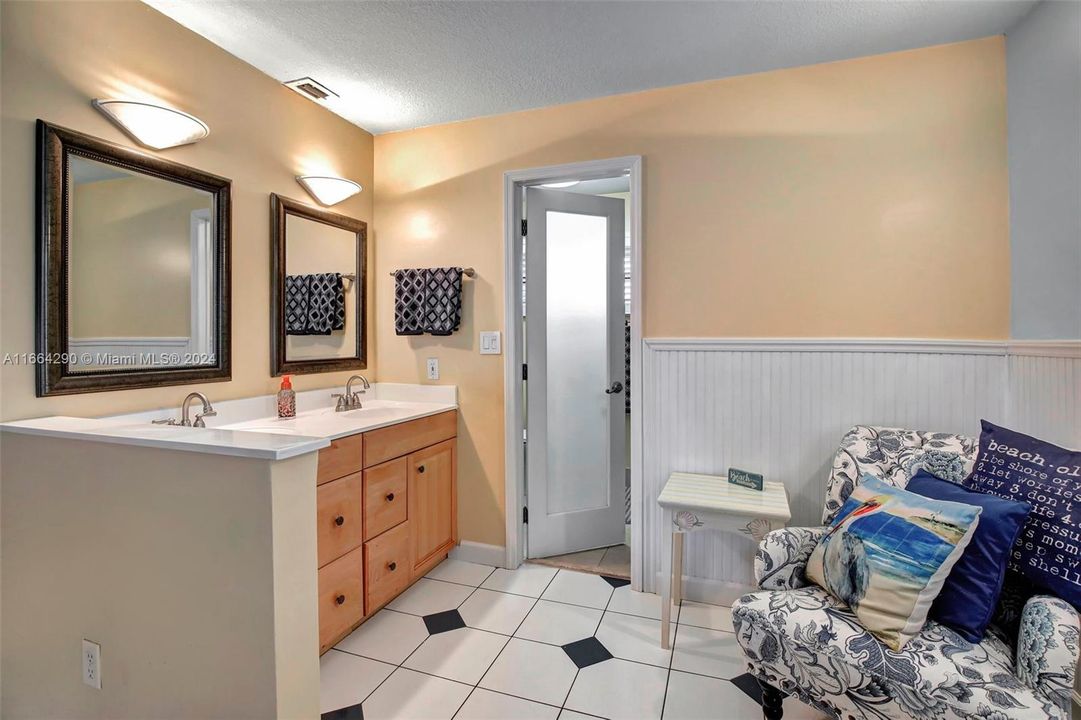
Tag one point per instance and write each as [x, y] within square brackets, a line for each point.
[327, 423]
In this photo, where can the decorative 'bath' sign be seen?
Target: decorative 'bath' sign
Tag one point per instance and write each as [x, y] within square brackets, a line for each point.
[743, 478]
[1047, 477]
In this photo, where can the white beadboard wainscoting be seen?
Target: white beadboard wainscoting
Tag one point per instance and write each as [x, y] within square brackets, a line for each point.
[1044, 397]
[780, 407]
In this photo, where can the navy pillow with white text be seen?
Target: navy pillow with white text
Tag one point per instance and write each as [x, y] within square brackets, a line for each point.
[1018, 467]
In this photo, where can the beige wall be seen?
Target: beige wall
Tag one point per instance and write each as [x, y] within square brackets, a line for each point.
[863, 198]
[56, 57]
[131, 258]
[181, 552]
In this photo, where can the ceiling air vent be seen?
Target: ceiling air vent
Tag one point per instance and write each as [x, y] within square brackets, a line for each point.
[311, 89]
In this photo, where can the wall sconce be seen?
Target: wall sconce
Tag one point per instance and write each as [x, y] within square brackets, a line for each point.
[154, 126]
[329, 190]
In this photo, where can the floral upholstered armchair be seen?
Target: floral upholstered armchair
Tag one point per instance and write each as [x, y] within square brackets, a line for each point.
[799, 640]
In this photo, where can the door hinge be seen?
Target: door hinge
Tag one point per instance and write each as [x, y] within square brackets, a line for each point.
[525, 371]
[525, 515]
[525, 225]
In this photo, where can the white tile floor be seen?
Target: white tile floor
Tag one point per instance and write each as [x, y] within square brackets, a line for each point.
[474, 642]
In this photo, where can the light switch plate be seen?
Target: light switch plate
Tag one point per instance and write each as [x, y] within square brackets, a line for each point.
[490, 343]
[433, 368]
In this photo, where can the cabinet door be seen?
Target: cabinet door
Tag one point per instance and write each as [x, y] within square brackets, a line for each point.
[433, 501]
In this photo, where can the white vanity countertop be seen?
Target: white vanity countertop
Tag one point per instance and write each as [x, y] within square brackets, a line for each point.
[250, 427]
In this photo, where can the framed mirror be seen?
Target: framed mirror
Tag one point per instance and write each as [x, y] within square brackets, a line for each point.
[318, 284]
[132, 268]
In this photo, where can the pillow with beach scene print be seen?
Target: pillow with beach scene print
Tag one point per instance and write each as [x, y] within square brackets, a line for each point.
[887, 554]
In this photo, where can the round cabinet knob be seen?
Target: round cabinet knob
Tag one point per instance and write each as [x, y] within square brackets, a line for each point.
[393, 566]
[339, 521]
[340, 599]
[390, 497]
[420, 468]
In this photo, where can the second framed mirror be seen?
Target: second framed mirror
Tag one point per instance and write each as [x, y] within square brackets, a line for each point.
[318, 283]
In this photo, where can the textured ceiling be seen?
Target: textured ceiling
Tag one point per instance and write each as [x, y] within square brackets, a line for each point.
[405, 64]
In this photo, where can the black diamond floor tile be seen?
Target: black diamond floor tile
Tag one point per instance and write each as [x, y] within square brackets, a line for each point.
[353, 712]
[442, 622]
[616, 582]
[749, 685]
[584, 653]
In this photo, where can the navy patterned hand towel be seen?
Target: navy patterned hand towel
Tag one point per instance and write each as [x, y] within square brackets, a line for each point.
[443, 300]
[296, 304]
[409, 293]
[326, 303]
[314, 304]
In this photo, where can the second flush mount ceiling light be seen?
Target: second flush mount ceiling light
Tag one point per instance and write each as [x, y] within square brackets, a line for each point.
[327, 189]
[151, 125]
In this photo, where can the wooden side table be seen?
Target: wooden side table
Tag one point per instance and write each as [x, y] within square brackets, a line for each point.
[709, 502]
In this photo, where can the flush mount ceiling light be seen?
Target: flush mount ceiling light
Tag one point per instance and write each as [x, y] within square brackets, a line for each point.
[154, 126]
[564, 184]
[327, 189]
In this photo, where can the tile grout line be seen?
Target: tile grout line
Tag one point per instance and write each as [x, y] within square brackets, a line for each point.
[511, 637]
[406, 658]
[671, 662]
[537, 642]
[579, 670]
[457, 609]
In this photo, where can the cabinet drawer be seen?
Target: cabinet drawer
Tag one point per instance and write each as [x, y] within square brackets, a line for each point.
[341, 597]
[387, 566]
[397, 440]
[344, 456]
[339, 517]
[385, 500]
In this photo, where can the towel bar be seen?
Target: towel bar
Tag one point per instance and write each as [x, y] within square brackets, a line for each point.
[468, 272]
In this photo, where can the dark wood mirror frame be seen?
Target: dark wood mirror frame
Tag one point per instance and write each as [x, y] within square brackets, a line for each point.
[54, 146]
[280, 207]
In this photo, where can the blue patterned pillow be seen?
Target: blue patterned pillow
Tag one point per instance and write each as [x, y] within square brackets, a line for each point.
[1015, 466]
[887, 554]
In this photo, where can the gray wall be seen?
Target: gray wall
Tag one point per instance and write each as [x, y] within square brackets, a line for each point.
[1043, 55]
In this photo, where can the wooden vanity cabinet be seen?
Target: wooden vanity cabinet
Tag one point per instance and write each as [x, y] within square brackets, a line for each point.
[387, 505]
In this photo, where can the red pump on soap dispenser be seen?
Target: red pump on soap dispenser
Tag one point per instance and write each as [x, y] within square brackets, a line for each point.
[287, 399]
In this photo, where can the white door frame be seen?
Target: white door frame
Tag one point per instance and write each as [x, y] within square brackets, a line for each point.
[513, 182]
[202, 257]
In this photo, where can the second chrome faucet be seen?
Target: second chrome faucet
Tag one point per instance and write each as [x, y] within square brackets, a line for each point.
[185, 410]
[350, 400]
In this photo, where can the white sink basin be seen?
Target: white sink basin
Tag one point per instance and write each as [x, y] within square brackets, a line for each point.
[327, 423]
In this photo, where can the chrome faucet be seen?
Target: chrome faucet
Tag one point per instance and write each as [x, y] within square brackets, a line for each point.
[185, 409]
[351, 400]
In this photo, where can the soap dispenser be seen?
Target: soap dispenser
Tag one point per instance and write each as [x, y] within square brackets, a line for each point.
[287, 399]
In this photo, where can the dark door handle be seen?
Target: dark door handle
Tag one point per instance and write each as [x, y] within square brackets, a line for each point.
[393, 566]
[420, 469]
[390, 497]
[339, 521]
[340, 599]
[617, 387]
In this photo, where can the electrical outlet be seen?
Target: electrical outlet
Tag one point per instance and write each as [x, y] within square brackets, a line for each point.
[92, 664]
[433, 368]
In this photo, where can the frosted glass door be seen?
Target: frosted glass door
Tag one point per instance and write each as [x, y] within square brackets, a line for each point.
[574, 341]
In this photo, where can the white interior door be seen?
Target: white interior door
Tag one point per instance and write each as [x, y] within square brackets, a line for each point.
[575, 417]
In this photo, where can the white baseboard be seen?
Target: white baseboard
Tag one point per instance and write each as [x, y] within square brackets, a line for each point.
[481, 553]
[704, 590]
